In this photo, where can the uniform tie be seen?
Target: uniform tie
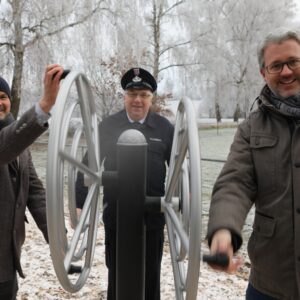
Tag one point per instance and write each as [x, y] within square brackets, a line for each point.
[137, 125]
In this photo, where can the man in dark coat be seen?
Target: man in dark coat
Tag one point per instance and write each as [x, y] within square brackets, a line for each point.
[139, 86]
[19, 184]
[262, 169]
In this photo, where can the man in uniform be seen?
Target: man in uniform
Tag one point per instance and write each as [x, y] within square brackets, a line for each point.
[139, 86]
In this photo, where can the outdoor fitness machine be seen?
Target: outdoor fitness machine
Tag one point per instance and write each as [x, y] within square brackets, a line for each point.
[181, 204]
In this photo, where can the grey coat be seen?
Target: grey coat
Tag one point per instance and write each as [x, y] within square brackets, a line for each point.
[263, 168]
[20, 187]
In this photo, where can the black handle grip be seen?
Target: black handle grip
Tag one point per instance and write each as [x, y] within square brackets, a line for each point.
[219, 259]
[74, 269]
[63, 75]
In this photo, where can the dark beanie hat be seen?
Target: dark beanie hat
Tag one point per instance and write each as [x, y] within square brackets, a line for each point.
[4, 87]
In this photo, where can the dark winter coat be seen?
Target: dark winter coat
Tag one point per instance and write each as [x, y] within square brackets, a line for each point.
[19, 188]
[263, 168]
[158, 132]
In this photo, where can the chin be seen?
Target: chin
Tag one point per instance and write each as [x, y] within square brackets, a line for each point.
[285, 95]
[2, 117]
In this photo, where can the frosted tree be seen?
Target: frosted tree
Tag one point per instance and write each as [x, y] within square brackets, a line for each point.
[25, 23]
[256, 19]
[111, 46]
[230, 48]
[151, 34]
[171, 37]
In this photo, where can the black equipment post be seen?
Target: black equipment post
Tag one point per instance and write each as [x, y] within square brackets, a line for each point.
[130, 260]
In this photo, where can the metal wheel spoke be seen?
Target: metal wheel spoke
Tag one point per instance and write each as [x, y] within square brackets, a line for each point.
[177, 225]
[175, 169]
[72, 177]
[80, 166]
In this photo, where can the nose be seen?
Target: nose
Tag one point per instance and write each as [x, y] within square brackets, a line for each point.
[138, 98]
[286, 70]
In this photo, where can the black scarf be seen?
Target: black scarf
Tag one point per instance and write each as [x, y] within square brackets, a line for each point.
[289, 106]
[8, 120]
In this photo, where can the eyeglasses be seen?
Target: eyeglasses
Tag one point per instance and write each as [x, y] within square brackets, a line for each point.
[143, 96]
[276, 68]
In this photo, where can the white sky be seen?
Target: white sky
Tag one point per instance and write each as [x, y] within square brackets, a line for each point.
[298, 10]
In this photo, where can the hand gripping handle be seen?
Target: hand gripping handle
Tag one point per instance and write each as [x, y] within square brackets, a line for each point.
[219, 259]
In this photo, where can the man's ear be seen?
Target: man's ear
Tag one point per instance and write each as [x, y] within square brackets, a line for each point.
[263, 73]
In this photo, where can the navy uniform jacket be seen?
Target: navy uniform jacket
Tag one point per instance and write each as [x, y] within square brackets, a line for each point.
[158, 132]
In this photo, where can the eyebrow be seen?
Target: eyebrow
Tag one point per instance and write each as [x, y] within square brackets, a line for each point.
[281, 61]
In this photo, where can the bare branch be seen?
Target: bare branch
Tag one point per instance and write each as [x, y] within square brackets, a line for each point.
[200, 35]
[9, 45]
[180, 65]
[40, 25]
[171, 7]
[69, 25]
[174, 46]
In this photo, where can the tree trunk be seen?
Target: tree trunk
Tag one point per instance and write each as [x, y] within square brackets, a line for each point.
[218, 112]
[217, 104]
[156, 43]
[17, 84]
[237, 113]
[18, 52]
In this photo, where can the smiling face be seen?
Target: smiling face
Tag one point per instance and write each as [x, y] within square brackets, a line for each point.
[137, 103]
[287, 82]
[4, 105]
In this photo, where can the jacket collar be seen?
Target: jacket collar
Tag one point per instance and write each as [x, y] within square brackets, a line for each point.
[8, 120]
[264, 100]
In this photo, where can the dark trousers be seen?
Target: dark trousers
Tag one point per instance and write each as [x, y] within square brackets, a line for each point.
[154, 251]
[8, 289]
[254, 294]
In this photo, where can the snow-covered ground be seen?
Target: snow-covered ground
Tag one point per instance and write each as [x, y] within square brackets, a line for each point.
[41, 282]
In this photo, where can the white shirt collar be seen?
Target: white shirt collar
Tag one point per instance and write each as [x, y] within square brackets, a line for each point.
[132, 121]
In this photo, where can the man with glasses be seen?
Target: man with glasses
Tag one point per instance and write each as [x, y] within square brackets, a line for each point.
[263, 168]
[139, 86]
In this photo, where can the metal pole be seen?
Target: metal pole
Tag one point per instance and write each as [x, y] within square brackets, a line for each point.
[130, 252]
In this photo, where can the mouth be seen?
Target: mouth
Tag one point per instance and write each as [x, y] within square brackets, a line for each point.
[287, 81]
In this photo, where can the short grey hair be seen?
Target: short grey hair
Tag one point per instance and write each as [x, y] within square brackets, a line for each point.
[278, 36]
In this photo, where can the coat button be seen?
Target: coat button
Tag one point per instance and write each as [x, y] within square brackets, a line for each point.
[298, 210]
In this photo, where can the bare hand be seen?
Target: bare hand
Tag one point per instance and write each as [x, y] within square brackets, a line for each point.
[221, 243]
[51, 86]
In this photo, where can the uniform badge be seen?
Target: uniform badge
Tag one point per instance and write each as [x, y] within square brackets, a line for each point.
[136, 78]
